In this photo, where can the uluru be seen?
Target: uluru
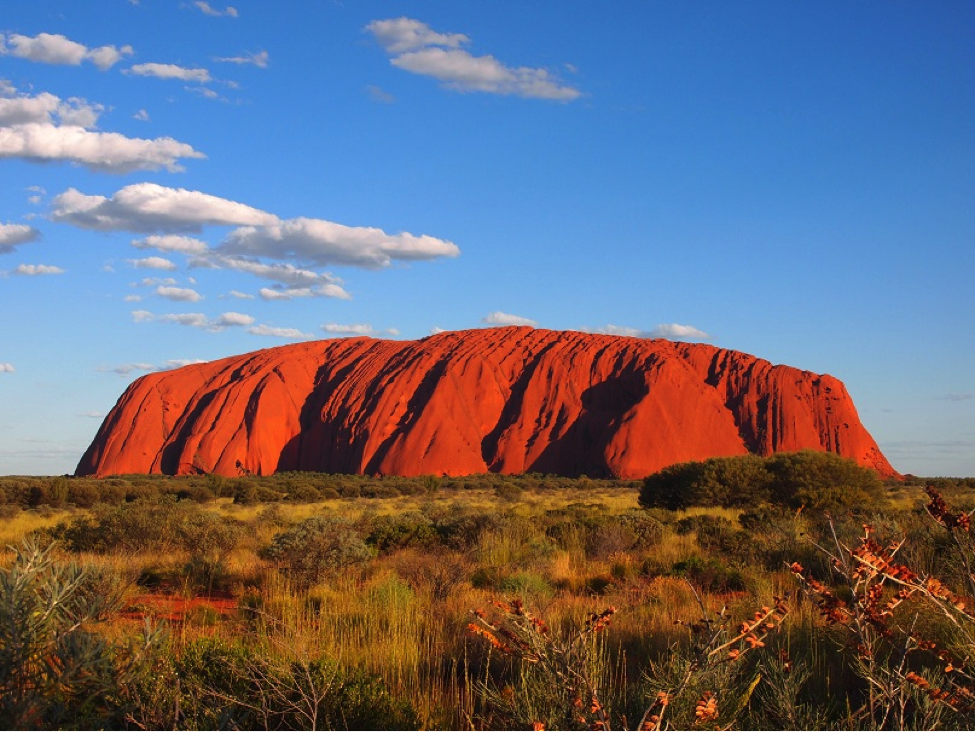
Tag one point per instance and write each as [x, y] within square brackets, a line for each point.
[507, 400]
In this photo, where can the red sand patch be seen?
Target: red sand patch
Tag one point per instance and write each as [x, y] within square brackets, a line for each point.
[175, 608]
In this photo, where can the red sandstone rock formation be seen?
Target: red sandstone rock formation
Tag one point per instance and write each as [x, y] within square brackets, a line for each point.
[507, 400]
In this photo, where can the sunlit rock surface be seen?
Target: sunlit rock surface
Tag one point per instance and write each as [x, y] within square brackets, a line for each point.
[508, 400]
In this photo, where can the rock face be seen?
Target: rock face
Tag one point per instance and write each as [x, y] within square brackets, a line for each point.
[508, 400]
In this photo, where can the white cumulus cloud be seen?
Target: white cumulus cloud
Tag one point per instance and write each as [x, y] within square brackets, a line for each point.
[179, 294]
[677, 332]
[353, 329]
[147, 207]
[325, 242]
[501, 318]
[233, 319]
[7, 368]
[44, 128]
[152, 263]
[12, 235]
[406, 34]
[417, 48]
[54, 48]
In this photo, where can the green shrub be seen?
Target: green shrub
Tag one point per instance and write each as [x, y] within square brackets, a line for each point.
[159, 524]
[647, 529]
[526, 585]
[317, 548]
[210, 539]
[810, 478]
[387, 533]
[710, 575]
[509, 493]
[823, 480]
[673, 488]
[143, 525]
[461, 528]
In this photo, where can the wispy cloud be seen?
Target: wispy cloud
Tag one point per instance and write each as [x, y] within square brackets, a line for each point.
[260, 59]
[501, 318]
[356, 329]
[378, 94]
[964, 397]
[170, 71]
[127, 368]
[417, 48]
[291, 293]
[621, 330]
[6, 368]
[35, 270]
[37, 194]
[53, 48]
[671, 331]
[207, 9]
[289, 333]
[195, 320]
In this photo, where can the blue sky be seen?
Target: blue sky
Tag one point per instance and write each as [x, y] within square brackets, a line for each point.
[185, 181]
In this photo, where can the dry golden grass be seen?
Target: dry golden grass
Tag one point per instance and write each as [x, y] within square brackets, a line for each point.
[395, 619]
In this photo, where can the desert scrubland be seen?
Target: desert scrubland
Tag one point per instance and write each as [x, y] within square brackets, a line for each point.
[305, 600]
